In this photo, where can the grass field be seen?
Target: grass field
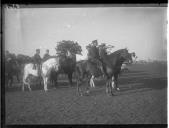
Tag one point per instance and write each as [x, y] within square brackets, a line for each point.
[141, 100]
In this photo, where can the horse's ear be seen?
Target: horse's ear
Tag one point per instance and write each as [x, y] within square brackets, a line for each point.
[126, 48]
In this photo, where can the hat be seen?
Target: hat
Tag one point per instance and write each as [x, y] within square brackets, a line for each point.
[37, 50]
[94, 41]
[102, 45]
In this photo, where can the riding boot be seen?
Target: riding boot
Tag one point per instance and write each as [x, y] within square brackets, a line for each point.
[103, 72]
[34, 66]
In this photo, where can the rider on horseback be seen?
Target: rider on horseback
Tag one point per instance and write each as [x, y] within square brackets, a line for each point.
[93, 55]
[46, 55]
[37, 59]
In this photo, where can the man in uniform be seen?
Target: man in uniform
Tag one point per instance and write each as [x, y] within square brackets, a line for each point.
[37, 59]
[93, 55]
[46, 55]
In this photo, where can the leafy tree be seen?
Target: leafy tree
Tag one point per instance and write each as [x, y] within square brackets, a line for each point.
[22, 59]
[68, 45]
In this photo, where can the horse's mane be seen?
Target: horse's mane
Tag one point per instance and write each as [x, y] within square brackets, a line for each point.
[118, 51]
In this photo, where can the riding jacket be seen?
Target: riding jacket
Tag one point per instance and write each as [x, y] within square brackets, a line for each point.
[37, 59]
[46, 56]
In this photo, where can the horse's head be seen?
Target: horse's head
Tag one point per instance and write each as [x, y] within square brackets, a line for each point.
[128, 56]
[124, 54]
[71, 55]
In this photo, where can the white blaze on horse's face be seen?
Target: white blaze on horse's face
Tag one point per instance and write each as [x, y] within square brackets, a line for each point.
[69, 54]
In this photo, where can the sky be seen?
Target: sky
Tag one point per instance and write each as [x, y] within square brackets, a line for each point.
[142, 30]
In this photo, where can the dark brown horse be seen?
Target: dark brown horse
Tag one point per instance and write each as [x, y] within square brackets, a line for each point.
[12, 69]
[112, 65]
[67, 66]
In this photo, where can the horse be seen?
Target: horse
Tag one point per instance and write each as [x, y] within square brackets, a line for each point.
[131, 59]
[111, 63]
[12, 68]
[44, 70]
[86, 69]
[67, 66]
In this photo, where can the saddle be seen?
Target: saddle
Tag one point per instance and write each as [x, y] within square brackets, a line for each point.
[37, 67]
[99, 64]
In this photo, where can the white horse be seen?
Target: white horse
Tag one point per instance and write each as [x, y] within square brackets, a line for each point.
[47, 66]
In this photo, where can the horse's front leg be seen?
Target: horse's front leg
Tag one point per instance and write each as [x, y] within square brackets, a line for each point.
[88, 85]
[17, 76]
[70, 79]
[92, 81]
[78, 87]
[116, 82]
[55, 81]
[29, 86]
[45, 79]
[107, 87]
[112, 85]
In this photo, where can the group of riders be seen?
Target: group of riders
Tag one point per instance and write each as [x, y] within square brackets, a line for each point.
[94, 51]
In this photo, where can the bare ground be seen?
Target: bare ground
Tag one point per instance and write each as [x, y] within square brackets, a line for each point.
[141, 100]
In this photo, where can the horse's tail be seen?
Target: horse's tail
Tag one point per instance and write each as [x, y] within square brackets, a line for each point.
[24, 76]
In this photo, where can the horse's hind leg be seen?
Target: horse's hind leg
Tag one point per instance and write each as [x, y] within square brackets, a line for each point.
[107, 87]
[116, 82]
[92, 81]
[88, 86]
[28, 83]
[55, 81]
[112, 85]
[78, 88]
[17, 77]
[45, 79]
[70, 78]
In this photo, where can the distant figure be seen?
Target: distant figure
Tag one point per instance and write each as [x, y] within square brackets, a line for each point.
[46, 55]
[37, 59]
[7, 56]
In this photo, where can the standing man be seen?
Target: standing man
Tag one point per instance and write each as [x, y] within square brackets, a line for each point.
[46, 55]
[37, 59]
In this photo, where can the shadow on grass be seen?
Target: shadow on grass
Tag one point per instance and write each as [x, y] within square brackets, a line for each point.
[125, 83]
[132, 85]
[37, 86]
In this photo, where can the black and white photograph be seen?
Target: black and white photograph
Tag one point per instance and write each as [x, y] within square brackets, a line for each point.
[93, 64]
